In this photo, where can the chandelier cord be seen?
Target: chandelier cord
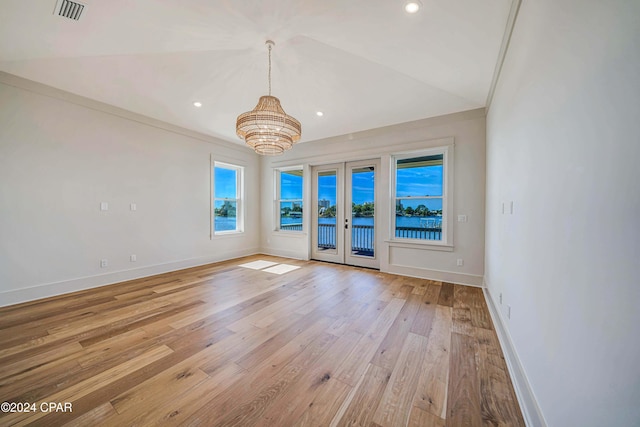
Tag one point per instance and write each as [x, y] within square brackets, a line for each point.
[269, 69]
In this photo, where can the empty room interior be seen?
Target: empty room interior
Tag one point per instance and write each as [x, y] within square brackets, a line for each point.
[319, 213]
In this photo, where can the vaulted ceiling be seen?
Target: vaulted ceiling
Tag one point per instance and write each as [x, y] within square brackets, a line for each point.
[363, 63]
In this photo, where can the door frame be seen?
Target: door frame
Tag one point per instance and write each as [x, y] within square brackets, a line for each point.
[342, 254]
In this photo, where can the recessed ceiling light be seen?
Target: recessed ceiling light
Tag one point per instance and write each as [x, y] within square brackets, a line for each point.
[197, 104]
[412, 6]
[319, 113]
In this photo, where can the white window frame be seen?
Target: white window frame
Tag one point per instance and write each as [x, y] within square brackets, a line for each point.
[239, 199]
[278, 199]
[447, 196]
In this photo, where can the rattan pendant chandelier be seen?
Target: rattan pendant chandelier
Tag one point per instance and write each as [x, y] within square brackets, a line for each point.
[267, 128]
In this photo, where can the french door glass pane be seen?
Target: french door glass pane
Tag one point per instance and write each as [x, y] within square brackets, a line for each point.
[363, 211]
[327, 206]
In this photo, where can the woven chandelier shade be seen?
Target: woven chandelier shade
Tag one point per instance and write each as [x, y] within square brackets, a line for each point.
[267, 128]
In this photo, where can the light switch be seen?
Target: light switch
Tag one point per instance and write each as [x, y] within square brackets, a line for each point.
[462, 218]
[104, 206]
[133, 206]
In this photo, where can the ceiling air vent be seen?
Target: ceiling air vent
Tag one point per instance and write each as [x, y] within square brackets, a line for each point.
[69, 9]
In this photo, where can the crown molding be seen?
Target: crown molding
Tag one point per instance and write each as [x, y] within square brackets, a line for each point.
[506, 40]
[52, 92]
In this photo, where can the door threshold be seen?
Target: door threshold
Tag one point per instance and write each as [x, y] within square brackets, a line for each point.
[347, 265]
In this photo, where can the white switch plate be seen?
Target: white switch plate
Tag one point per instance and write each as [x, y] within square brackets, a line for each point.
[104, 206]
[133, 258]
[133, 206]
[462, 218]
[104, 263]
[460, 262]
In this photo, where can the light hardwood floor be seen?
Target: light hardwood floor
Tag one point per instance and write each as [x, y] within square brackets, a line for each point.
[224, 345]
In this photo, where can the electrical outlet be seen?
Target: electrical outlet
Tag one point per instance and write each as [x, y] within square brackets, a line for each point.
[133, 258]
[133, 207]
[460, 262]
[509, 312]
[500, 298]
[104, 206]
[462, 218]
[104, 263]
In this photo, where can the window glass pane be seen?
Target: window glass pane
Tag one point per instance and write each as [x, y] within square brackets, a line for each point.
[420, 176]
[291, 184]
[419, 218]
[419, 191]
[225, 215]
[291, 215]
[225, 182]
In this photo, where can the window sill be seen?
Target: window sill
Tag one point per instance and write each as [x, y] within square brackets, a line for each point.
[427, 245]
[288, 233]
[227, 234]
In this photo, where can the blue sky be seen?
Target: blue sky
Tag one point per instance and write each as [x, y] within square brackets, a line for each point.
[421, 181]
[424, 181]
[290, 186]
[362, 188]
[225, 183]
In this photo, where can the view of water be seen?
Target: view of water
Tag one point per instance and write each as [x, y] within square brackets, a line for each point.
[401, 221]
[229, 223]
[225, 223]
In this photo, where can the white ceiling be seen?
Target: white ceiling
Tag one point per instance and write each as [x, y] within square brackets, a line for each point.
[364, 63]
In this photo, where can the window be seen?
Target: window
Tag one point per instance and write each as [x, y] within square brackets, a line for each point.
[420, 194]
[289, 199]
[227, 202]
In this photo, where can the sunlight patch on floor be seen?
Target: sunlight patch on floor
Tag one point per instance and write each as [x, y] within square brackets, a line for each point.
[281, 268]
[270, 267]
[258, 265]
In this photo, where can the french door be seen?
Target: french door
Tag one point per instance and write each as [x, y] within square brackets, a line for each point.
[344, 225]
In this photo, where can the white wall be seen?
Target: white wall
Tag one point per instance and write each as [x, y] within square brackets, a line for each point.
[61, 155]
[563, 143]
[466, 130]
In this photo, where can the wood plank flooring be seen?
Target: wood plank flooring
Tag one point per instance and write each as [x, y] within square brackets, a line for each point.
[224, 345]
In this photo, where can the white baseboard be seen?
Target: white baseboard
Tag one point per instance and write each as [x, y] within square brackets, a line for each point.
[17, 296]
[531, 412]
[439, 275]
